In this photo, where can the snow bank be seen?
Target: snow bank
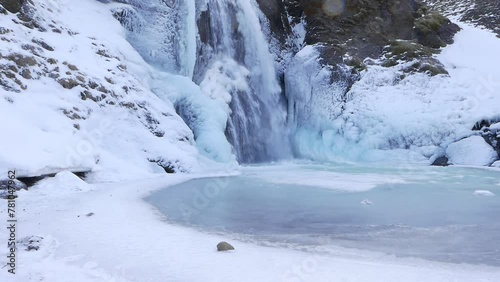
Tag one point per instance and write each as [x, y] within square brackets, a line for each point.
[66, 181]
[471, 151]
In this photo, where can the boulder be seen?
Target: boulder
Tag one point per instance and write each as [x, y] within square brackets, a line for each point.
[471, 151]
[224, 246]
[441, 161]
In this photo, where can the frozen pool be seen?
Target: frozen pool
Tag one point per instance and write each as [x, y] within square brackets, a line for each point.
[426, 212]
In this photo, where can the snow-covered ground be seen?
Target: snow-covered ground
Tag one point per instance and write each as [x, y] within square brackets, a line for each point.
[124, 239]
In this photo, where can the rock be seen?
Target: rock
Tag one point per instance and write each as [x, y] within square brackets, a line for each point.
[224, 246]
[32, 243]
[68, 83]
[13, 6]
[471, 151]
[441, 161]
[14, 183]
[89, 214]
[43, 44]
[490, 130]
[274, 10]
[21, 60]
[483, 13]
[26, 73]
[167, 166]
[435, 30]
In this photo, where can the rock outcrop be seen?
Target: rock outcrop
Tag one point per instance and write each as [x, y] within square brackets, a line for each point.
[485, 13]
[13, 6]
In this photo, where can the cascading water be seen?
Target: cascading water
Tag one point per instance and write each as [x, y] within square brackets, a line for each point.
[220, 45]
[234, 62]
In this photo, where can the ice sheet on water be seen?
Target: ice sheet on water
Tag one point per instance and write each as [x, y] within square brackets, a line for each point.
[434, 215]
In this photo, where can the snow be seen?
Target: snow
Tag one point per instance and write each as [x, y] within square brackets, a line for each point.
[484, 193]
[63, 180]
[471, 151]
[496, 164]
[126, 240]
[495, 127]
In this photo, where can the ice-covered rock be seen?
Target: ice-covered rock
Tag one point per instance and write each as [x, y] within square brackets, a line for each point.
[471, 151]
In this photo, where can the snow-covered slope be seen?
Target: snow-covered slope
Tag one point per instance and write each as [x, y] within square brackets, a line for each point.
[76, 94]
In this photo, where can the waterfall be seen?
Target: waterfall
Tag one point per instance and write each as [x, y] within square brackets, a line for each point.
[235, 64]
[220, 45]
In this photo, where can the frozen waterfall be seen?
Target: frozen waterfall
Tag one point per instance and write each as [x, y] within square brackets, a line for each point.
[220, 45]
[235, 64]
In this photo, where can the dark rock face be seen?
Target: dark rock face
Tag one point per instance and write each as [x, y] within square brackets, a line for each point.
[5, 184]
[441, 161]
[485, 13]
[275, 11]
[347, 32]
[362, 28]
[435, 30]
[13, 6]
[14, 183]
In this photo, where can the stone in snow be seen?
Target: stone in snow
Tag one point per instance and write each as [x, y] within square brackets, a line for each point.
[224, 246]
